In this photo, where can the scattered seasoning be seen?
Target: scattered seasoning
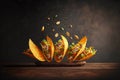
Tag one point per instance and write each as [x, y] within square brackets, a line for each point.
[43, 28]
[76, 36]
[67, 33]
[71, 37]
[48, 18]
[56, 35]
[71, 26]
[58, 22]
[62, 28]
[56, 15]
[53, 30]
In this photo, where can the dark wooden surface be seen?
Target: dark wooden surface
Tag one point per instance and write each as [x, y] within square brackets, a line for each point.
[89, 71]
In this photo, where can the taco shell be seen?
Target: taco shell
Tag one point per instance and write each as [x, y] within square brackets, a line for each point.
[36, 51]
[51, 46]
[65, 47]
[86, 54]
[83, 42]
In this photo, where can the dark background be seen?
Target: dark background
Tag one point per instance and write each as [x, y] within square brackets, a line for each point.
[99, 20]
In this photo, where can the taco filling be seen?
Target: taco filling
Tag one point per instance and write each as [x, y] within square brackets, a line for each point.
[73, 50]
[60, 49]
[76, 49]
[46, 49]
[86, 54]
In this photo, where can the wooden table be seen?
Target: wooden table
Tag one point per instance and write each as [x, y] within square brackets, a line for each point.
[89, 71]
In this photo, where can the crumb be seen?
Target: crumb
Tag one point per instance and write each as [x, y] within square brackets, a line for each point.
[58, 22]
[71, 26]
[48, 18]
[43, 28]
[71, 37]
[76, 36]
[67, 33]
[62, 28]
[56, 35]
[53, 30]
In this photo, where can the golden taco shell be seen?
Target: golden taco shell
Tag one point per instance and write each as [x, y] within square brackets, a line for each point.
[48, 48]
[86, 54]
[60, 49]
[36, 51]
[75, 50]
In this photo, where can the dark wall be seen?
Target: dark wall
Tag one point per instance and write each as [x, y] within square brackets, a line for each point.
[99, 20]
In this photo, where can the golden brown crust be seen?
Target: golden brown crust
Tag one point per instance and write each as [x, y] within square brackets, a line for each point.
[82, 42]
[36, 51]
[86, 57]
[65, 45]
[49, 40]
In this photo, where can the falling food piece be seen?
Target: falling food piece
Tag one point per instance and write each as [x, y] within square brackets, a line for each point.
[62, 28]
[53, 30]
[43, 28]
[71, 26]
[58, 22]
[67, 33]
[56, 15]
[71, 37]
[56, 35]
[76, 36]
[48, 18]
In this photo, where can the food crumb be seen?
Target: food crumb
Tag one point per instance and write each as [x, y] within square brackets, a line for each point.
[48, 18]
[56, 15]
[71, 37]
[43, 28]
[56, 35]
[67, 33]
[76, 36]
[58, 22]
[53, 30]
[62, 28]
[71, 26]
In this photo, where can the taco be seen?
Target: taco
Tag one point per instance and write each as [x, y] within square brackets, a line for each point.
[60, 49]
[75, 50]
[86, 54]
[48, 48]
[37, 53]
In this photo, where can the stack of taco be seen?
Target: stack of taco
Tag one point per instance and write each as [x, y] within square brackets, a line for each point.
[57, 51]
